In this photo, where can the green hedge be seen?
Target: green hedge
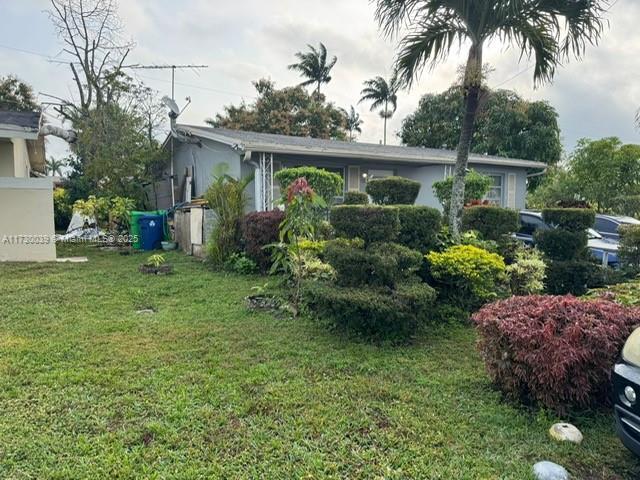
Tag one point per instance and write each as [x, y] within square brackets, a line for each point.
[419, 227]
[393, 190]
[561, 244]
[491, 222]
[571, 276]
[375, 313]
[324, 183]
[371, 223]
[356, 198]
[574, 219]
[382, 264]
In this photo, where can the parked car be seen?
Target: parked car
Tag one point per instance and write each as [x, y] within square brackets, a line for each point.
[603, 249]
[626, 393]
[607, 225]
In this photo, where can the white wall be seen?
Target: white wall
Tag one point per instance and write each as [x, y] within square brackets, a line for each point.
[7, 168]
[20, 158]
[26, 220]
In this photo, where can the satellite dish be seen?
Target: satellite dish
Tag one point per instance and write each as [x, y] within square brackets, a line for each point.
[171, 104]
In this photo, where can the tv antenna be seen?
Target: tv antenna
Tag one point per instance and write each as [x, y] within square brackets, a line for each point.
[173, 69]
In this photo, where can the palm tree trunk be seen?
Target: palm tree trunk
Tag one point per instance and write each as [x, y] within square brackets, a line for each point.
[385, 122]
[472, 86]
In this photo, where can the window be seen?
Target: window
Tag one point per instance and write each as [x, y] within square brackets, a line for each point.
[606, 225]
[494, 196]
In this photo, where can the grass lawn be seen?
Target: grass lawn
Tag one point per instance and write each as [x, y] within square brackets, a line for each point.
[205, 389]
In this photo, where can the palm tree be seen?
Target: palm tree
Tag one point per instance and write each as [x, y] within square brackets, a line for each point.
[382, 94]
[352, 121]
[549, 30]
[314, 67]
[54, 167]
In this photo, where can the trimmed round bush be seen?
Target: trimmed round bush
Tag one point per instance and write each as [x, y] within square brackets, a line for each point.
[469, 276]
[258, 230]
[570, 276]
[574, 219]
[561, 244]
[491, 222]
[557, 352]
[326, 184]
[375, 313]
[382, 264]
[419, 227]
[372, 223]
[356, 198]
[393, 190]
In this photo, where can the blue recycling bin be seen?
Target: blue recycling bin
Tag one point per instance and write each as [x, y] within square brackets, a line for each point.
[151, 231]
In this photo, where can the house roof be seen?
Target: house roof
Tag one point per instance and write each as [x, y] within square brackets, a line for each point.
[19, 124]
[270, 143]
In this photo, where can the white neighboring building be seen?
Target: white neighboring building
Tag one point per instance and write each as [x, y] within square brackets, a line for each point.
[26, 195]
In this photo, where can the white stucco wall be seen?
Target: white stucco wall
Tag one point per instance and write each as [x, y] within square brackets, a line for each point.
[26, 220]
[20, 158]
[7, 168]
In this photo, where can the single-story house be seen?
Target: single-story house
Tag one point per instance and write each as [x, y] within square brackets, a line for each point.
[26, 194]
[197, 150]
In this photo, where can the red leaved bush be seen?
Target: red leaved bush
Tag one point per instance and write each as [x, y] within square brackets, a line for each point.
[556, 351]
[260, 229]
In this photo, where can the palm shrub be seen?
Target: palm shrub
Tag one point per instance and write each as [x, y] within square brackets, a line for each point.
[227, 198]
[393, 190]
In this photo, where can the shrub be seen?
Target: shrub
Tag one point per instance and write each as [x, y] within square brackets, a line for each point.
[227, 198]
[527, 273]
[476, 187]
[492, 223]
[383, 264]
[375, 313]
[371, 223]
[470, 276]
[574, 219]
[571, 276]
[62, 209]
[561, 244]
[239, 263]
[356, 198]
[312, 247]
[554, 351]
[629, 249]
[260, 229]
[419, 227]
[393, 190]
[326, 184]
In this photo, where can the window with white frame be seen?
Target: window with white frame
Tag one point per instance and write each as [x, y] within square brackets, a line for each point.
[495, 194]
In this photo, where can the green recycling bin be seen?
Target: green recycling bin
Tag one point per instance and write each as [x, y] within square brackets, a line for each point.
[134, 226]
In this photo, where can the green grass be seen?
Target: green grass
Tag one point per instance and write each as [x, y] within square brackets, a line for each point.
[205, 389]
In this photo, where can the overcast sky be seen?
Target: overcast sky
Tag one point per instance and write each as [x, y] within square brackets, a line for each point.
[243, 40]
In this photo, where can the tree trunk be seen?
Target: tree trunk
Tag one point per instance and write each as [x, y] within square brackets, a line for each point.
[472, 87]
[70, 136]
[385, 123]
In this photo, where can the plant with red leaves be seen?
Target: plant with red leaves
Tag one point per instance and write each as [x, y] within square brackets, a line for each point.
[555, 351]
[299, 188]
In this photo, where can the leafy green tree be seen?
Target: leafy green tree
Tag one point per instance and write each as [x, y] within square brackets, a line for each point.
[506, 125]
[353, 122]
[313, 66]
[548, 30]
[557, 187]
[381, 94]
[289, 111]
[15, 95]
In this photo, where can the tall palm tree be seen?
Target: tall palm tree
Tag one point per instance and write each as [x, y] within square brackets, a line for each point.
[54, 166]
[353, 122]
[549, 30]
[381, 94]
[313, 66]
